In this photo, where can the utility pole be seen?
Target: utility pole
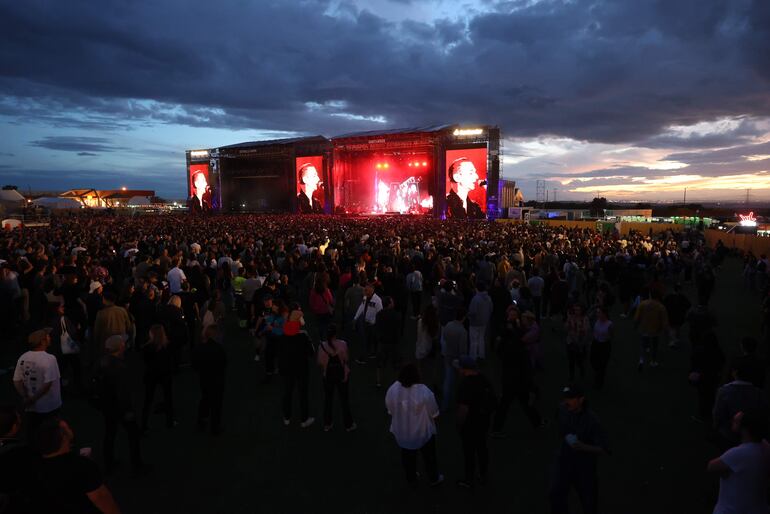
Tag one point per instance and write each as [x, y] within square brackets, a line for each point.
[748, 195]
[684, 201]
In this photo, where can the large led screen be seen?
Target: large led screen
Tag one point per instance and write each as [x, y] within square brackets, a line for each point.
[384, 182]
[466, 183]
[310, 186]
[199, 188]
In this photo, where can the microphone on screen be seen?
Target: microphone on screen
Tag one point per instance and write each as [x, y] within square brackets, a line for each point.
[483, 183]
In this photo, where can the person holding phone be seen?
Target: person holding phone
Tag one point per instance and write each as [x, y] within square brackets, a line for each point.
[582, 441]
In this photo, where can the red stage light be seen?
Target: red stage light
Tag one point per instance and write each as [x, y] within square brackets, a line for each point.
[386, 165]
[410, 164]
[379, 166]
[424, 163]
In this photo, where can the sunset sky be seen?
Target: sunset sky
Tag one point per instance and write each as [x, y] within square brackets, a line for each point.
[634, 99]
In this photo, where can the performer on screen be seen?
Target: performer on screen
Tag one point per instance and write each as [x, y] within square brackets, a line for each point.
[464, 178]
[200, 201]
[309, 181]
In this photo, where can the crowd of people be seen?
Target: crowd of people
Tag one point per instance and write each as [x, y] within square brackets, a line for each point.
[341, 294]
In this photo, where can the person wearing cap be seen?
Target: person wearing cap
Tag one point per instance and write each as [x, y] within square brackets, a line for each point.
[476, 401]
[582, 441]
[114, 393]
[37, 380]
[94, 302]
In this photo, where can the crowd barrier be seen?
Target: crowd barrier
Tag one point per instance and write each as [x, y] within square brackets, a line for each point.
[623, 227]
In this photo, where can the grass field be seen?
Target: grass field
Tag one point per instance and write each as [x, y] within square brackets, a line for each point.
[260, 466]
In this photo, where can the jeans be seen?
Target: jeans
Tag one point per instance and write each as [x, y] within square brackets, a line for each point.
[477, 347]
[649, 345]
[409, 461]
[111, 422]
[416, 302]
[577, 358]
[342, 390]
[583, 479]
[150, 384]
[290, 381]
[210, 405]
[475, 450]
[600, 358]
[509, 394]
[450, 377]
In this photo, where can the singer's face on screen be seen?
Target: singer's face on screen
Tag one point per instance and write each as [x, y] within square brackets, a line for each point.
[467, 176]
[200, 184]
[310, 178]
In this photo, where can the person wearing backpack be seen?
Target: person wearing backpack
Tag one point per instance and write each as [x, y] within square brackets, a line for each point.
[333, 360]
[476, 401]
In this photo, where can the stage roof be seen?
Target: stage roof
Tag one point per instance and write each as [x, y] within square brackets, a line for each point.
[414, 130]
[272, 142]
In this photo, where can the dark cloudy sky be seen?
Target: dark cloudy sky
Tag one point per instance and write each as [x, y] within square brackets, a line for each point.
[627, 98]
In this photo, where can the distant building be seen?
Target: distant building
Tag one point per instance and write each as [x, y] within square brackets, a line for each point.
[109, 198]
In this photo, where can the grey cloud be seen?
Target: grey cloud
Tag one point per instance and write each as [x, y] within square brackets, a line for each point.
[80, 144]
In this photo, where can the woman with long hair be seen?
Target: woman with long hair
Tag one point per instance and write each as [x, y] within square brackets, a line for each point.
[414, 411]
[322, 303]
[426, 348]
[333, 360]
[158, 371]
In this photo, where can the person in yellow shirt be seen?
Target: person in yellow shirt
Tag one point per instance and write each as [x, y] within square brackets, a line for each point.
[651, 320]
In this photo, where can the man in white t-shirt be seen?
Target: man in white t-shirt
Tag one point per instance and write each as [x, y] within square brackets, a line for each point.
[744, 469]
[36, 379]
[175, 278]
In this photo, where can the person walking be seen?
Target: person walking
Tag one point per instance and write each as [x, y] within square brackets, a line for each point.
[479, 314]
[454, 345]
[707, 363]
[476, 401]
[578, 330]
[601, 346]
[114, 397]
[414, 286]
[365, 319]
[210, 361]
[582, 440]
[677, 306]
[414, 410]
[158, 371]
[294, 356]
[652, 321]
[333, 360]
[321, 304]
[388, 328]
[516, 379]
[427, 344]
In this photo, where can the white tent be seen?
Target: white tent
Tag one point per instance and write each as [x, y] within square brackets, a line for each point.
[53, 202]
[139, 201]
[10, 197]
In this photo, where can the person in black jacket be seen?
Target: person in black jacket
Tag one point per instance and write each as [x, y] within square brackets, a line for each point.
[294, 355]
[706, 365]
[210, 361]
[115, 403]
[388, 329]
[516, 375]
[158, 371]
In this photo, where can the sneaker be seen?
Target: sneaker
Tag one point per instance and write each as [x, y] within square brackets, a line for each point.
[463, 484]
[359, 361]
[286, 422]
[499, 434]
[673, 344]
[307, 422]
[654, 364]
[351, 428]
[327, 428]
[623, 315]
[543, 424]
[256, 358]
[438, 481]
